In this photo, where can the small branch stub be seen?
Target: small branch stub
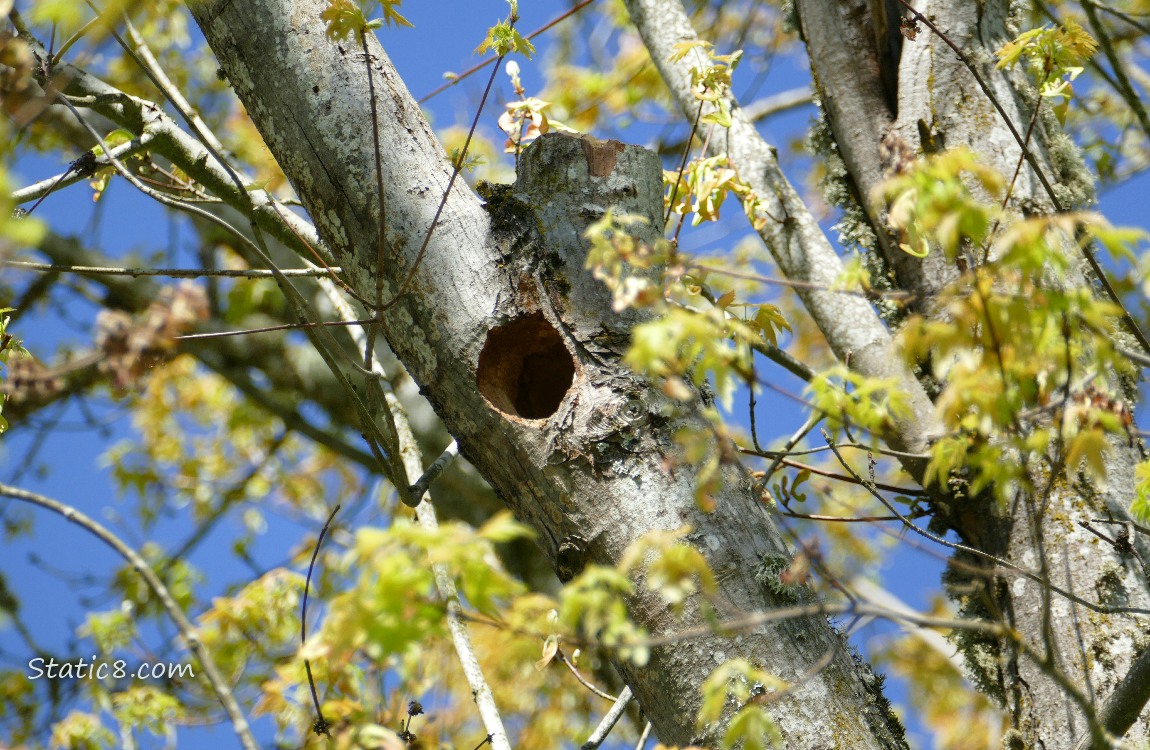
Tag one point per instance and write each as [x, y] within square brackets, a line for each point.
[525, 369]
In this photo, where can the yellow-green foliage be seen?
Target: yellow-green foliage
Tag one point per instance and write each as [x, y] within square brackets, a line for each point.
[960, 718]
[740, 685]
[503, 38]
[934, 202]
[147, 707]
[695, 345]
[345, 18]
[1141, 505]
[81, 731]
[676, 571]
[710, 83]
[177, 417]
[685, 343]
[848, 398]
[394, 605]
[1054, 55]
[1023, 350]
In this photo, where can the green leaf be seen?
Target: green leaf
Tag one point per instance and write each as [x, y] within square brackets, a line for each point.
[753, 728]
[503, 39]
[344, 18]
[391, 15]
[1140, 508]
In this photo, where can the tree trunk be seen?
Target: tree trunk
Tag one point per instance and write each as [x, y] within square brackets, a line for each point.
[514, 345]
[939, 101]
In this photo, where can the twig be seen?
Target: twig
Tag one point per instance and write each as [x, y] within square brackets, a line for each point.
[40, 190]
[1121, 542]
[211, 672]
[419, 487]
[582, 680]
[643, 737]
[481, 65]
[853, 478]
[269, 329]
[600, 734]
[807, 426]
[893, 294]
[425, 512]
[174, 273]
[321, 725]
[683, 164]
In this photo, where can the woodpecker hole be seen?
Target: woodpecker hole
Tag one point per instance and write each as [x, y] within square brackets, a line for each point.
[524, 368]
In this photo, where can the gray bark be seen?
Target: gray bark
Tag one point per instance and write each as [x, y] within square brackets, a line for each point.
[583, 462]
[937, 94]
[803, 253]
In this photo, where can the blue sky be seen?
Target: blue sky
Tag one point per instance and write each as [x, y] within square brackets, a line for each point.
[67, 463]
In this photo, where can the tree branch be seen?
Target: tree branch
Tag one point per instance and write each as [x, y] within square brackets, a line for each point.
[425, 512]
[211, 672]
[798, 245]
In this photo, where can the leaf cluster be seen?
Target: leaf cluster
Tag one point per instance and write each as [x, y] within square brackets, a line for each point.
[1055, 55]
[1023, 337]
[346, 18]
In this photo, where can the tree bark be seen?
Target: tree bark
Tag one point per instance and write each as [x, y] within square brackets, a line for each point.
[584, 464]
[939, 98]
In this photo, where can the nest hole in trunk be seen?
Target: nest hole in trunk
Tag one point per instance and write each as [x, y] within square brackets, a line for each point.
[524, 369]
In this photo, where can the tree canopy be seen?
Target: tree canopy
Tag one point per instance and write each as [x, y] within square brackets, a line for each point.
[617, 391]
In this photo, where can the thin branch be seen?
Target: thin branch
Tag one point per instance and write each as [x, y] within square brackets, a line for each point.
[894, 294]
[608, 723]
[269, 329]
[212, 673]
[425, 512]
[683, 167]
[142, 54]
[643, 737]
[162, 135]
[39, 190]
[800, 433]
[760, 109]
[579, 676]
[173, 273]
[321, 725]
[853, 478]
[420, 486]
[481, 65]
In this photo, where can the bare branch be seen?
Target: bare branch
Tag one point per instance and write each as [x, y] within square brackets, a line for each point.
[608, 723]
[173, 273]
[212, 673]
